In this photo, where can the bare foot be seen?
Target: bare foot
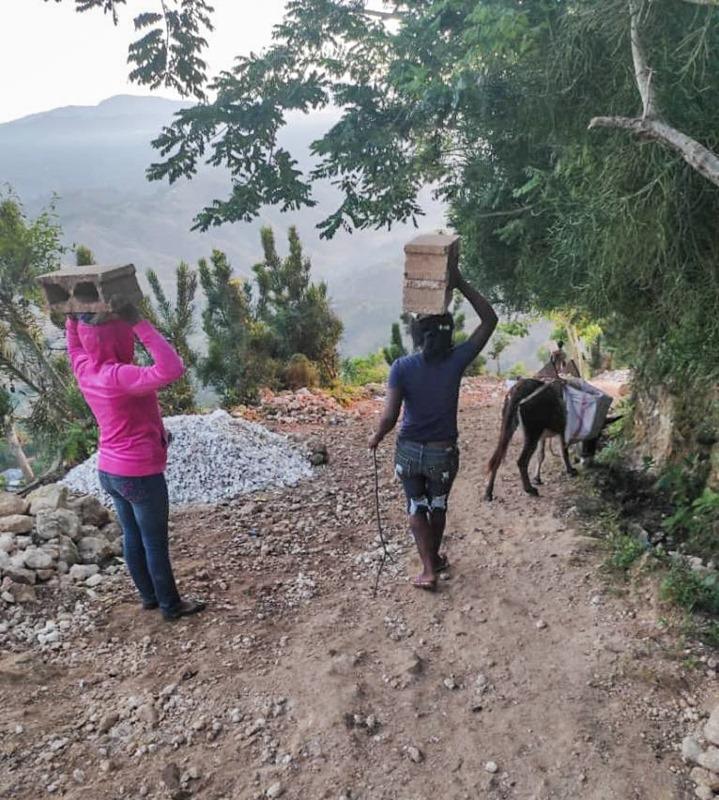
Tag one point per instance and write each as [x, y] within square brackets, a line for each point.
[429, 584]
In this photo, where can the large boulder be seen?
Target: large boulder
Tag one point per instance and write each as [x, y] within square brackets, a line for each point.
[12, 504]
[19, 593]
[88, 530]
[52, 549]
[7, 542]
[90, 510]
[20, 574]
[112, 531]
[81, 572]
[16, 523]
[4, 561]
[48, 498]
[38, 559]
[54, 524]
[95, 550]
[68, 551]
[711, 729]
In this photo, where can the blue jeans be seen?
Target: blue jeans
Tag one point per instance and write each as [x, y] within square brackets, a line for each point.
[143, 509]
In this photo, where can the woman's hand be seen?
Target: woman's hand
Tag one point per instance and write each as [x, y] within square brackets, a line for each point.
[374, 440]
[454, 275]
[124, 309]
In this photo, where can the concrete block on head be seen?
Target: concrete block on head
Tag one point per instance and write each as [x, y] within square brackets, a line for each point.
[428, 259]
[89, 289]
[426, 297]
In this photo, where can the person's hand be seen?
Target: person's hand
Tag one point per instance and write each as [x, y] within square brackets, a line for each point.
[124, 309]
[454, 275]
[374, 441]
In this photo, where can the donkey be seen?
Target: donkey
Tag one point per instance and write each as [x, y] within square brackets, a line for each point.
[543, 415]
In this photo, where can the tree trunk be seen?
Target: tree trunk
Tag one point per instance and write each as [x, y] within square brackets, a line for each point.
[17, 450]
[575, 342]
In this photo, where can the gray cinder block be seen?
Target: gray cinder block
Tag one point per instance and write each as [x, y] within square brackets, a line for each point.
[89, 289]
[426, 273]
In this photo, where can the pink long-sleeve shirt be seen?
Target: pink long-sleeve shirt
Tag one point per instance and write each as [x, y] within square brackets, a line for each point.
[122, 395]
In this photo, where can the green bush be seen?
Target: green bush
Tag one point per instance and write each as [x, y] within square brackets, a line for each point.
[361, 370]
[691, 590]
[624, 551]
[300, 373]
[696, 524]
[78, 443]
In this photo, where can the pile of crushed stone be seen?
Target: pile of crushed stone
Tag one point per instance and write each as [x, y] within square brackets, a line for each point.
[211, 458]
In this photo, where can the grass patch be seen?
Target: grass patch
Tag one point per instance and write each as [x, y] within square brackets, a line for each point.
[624, 552]
[346, 394]
[623, 549]
[691, 590]
[696, 524]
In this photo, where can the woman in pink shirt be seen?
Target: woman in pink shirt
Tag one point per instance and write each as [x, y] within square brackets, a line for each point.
[133, 441]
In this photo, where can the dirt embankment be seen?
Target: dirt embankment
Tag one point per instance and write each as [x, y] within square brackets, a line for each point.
[526, 676]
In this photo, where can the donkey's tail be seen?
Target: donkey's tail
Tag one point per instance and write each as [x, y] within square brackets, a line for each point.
[510, 423]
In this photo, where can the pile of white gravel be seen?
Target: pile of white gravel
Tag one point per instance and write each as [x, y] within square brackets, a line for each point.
[211, 458]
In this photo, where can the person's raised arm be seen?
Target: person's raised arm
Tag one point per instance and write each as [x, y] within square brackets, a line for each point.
[75, 349]
[487, 316]
[167, 366]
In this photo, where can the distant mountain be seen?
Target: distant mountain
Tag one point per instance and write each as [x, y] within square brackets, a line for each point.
[94, 159]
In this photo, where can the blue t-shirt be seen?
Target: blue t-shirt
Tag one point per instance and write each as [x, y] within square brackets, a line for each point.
[430, 392]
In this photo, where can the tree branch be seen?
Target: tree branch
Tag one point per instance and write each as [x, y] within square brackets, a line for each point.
[699, 157]
[642, 70]
[514, 212]
[368, 12]
[648, 126]
[714, 3]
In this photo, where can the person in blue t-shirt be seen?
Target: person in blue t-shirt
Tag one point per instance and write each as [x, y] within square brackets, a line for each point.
[427, 457]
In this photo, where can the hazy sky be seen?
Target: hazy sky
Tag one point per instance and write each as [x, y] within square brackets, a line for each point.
[51, 56]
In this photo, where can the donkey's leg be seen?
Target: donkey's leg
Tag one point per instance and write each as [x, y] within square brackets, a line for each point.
[540, 459]
[531, 440]
[489, 491]
[565, 456]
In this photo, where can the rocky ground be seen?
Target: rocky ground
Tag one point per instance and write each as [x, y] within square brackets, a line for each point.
[528, 675]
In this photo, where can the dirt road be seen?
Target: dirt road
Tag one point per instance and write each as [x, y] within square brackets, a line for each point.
[525, 676]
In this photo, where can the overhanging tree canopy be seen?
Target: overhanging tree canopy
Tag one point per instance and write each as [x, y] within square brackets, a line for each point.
[490, 102]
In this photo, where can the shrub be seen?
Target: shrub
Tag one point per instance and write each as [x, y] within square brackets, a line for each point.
[624, 551]
[696, 524]
[300, 372]
[691, 590]
[517, 371]
[361, 370]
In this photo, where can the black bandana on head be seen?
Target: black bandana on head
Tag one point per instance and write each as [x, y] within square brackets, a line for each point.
[435, 336]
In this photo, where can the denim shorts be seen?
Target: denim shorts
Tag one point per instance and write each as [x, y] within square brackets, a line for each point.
[427, 474]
